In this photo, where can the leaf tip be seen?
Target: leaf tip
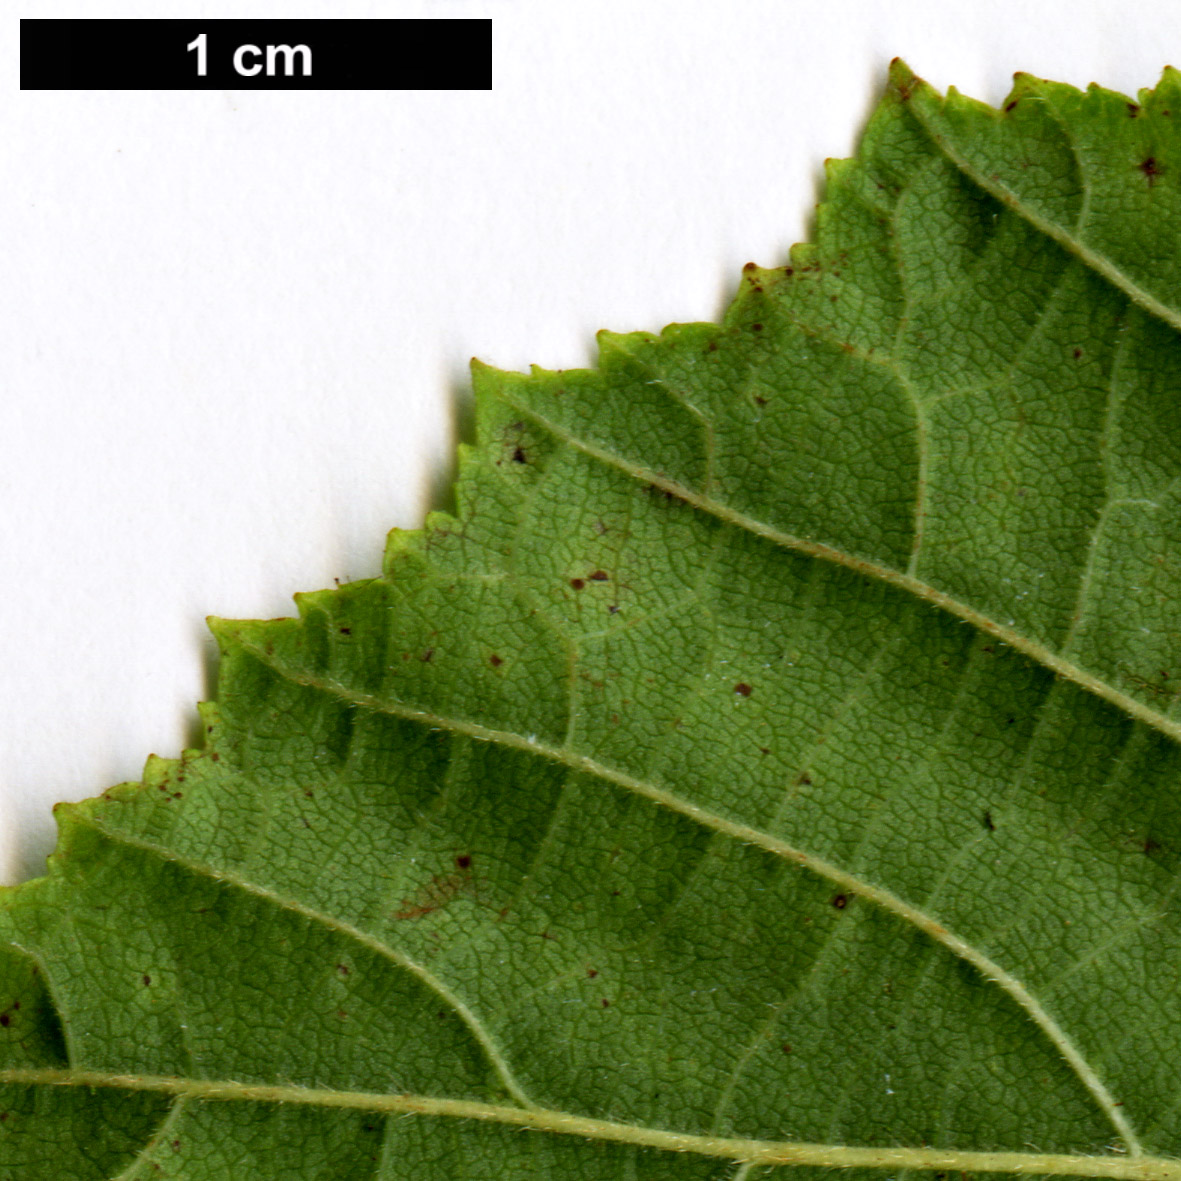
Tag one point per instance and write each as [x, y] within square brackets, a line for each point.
[903, 81]
[219, 627]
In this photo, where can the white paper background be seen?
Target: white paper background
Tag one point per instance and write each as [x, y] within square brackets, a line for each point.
[236, 324]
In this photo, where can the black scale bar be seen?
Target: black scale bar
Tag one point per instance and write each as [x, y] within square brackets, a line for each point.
[256, 55]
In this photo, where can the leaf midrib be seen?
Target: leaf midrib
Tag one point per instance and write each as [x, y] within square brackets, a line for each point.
[748, 1152]
[1033, 649]
[578, 763]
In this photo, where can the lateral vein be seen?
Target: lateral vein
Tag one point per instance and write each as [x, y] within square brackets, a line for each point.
[875, 570]
[1070, 242]
[473, 1024]
[743, 833]
[748, 1152]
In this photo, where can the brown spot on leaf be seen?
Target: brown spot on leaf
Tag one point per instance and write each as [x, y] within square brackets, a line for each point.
[599, 576]
[1151, 169]
[841, 901]
[495, 660]
[519, 456]
[464, 860]
[577, 583]
[437, 893]
[743, 689]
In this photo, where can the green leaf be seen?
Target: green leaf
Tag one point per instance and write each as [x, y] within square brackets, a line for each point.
[773, 762]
